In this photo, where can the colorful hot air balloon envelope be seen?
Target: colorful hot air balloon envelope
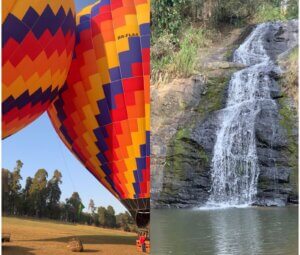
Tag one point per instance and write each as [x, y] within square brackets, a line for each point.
[38, 38]
[103, 113]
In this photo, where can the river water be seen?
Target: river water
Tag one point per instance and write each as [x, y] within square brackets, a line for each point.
[231, 231]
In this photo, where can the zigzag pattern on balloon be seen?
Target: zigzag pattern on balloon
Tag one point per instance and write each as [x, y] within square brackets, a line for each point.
[103, 114]
[37, 47]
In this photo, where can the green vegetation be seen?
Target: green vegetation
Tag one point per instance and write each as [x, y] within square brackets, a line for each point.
[40, 198]
[185, 59]
[181, 27]
[272, 11]
[268, 12]
[289, 82]
[170, 60]
[177, 152]
[167, 16]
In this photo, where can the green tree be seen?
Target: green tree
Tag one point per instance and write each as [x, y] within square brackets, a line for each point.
[110, 217]
[167, 16]
[27, 206]
[66, 213]
[15, 187]
[102, 216]
[6, 179]
[38, 192]
[95, 218]
[92, 209]
[54, 193]
[73, 204]
[125, 221]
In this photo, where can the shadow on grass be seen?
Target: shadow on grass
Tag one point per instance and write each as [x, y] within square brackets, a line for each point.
[91, 251]
[16, 250]
[93, 239]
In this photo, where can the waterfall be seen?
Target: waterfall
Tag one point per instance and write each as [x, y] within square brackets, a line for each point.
[235, 168]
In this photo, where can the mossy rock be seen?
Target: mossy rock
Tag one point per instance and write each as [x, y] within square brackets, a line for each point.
[183, 157]
[289, 123]
[213, 97]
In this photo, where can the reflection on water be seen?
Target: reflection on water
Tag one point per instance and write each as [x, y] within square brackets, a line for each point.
[228, 230]
[232, 231]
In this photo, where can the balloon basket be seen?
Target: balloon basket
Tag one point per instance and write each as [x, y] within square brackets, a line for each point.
[139, 246]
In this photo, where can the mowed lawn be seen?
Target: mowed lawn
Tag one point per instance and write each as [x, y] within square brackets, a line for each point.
[36, 237]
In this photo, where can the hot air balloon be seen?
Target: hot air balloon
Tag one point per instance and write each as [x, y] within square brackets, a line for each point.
[103, 113]
[38, 39]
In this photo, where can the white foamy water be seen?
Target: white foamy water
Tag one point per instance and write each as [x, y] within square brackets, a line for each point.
[235, 166]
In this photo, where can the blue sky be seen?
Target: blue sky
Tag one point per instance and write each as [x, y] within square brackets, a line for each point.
[82, 3]
[38, 146]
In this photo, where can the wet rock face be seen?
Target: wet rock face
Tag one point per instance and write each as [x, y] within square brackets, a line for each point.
[269, 133]
[273, 133]
[274, 165]
[186, 181]
[176, 178]
[282, 39]
[184, 126]
[183, 139]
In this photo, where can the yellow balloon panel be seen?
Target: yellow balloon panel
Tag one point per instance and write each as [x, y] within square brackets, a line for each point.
[103, 113]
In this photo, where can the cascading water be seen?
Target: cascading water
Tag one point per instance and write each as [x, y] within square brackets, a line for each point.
[235, 166]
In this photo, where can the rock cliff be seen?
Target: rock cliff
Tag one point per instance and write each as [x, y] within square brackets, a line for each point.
[185, 121]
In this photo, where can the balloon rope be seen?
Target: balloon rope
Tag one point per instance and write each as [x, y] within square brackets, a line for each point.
[62, 154]
[66, 166]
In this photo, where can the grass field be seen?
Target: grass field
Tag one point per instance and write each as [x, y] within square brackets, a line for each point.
[36, 237]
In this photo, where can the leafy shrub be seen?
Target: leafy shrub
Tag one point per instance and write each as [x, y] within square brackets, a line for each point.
[167, 16]
[290, 78]
[175, 40]
[162, 52]
[200, 37]
[267, 12]
[163, 46]
[233, 11]
[185, 59]
[271, 11]
[169, 61]
[292, 10]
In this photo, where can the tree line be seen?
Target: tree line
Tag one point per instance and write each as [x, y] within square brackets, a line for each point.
[171, 16]
[40, 198]
[180, 28]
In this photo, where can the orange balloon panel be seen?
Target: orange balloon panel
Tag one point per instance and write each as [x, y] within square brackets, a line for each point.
[38, 40]
[103, 114]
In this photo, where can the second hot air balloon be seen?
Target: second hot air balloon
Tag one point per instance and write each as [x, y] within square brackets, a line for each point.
[37, 46]
[103, 112]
